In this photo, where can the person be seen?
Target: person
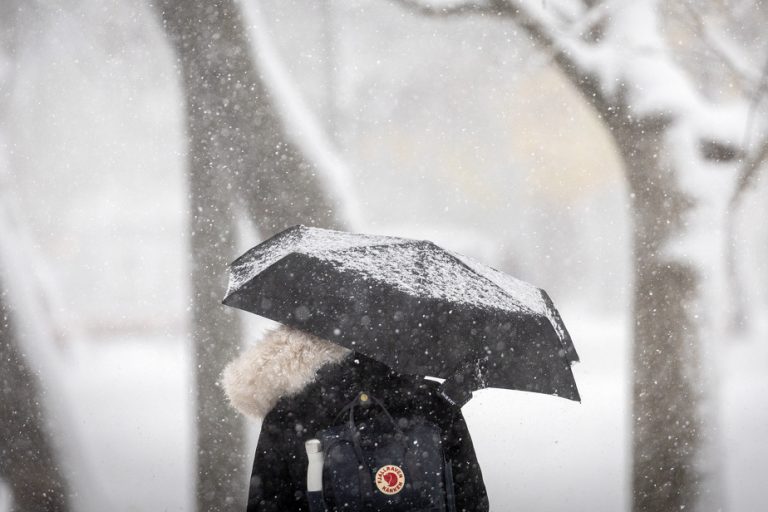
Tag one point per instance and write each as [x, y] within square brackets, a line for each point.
[297, 383]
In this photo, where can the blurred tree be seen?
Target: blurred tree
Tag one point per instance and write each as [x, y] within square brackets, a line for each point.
[28, 460]
[686, 164]
[240, 162]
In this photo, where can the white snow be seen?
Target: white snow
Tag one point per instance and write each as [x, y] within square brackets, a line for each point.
[134, 408]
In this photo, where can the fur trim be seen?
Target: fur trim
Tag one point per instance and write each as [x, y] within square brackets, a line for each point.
[282, 364]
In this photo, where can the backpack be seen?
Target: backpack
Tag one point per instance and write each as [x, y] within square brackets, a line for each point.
[379, 464]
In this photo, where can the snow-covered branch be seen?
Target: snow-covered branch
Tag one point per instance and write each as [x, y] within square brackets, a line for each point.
[587, 22]
[615, 53]
[545, 27]
[453, 9]
[545, 24]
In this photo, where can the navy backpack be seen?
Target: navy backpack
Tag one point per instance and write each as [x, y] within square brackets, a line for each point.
[372, 462]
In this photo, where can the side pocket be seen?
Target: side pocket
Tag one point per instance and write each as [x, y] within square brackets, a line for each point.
[316, 502]
[341, 476]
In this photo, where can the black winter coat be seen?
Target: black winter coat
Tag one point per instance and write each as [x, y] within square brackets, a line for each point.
[312, 402]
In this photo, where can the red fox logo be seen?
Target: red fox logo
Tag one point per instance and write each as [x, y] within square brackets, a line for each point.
[390, 479]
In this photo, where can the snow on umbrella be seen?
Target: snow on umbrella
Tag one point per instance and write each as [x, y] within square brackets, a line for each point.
[412, 305]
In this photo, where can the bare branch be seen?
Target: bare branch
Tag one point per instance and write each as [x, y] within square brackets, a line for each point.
[752, 164]
[742, 71]
[749, 172]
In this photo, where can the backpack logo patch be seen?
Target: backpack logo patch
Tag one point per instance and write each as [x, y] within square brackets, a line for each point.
[390, 479]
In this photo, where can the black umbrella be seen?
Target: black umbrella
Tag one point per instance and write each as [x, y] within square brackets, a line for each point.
[412, 305]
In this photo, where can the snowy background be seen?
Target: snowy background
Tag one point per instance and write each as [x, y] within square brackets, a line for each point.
[457, 130]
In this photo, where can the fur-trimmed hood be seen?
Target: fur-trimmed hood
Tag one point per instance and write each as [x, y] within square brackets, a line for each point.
[282, 364]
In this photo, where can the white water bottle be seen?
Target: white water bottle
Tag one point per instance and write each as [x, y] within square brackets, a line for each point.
[315, 466]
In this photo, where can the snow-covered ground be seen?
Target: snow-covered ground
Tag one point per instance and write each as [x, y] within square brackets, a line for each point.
[133, 407]
[538, 453]
[544, 453]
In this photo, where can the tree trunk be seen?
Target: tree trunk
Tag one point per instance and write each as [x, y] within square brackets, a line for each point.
[239, 160]
[667, 423]
[26, 451]
[28, 461]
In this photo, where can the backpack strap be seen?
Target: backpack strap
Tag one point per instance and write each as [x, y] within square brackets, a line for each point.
[364, 469]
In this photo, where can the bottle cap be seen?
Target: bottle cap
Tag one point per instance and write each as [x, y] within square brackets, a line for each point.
[312, 446]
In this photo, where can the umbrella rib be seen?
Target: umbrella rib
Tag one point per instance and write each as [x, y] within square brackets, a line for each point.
[565, 340]
[505, 292]
[404, 241]
[399, 241]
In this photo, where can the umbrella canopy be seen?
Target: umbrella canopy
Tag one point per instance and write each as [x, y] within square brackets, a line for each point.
[412, 305]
